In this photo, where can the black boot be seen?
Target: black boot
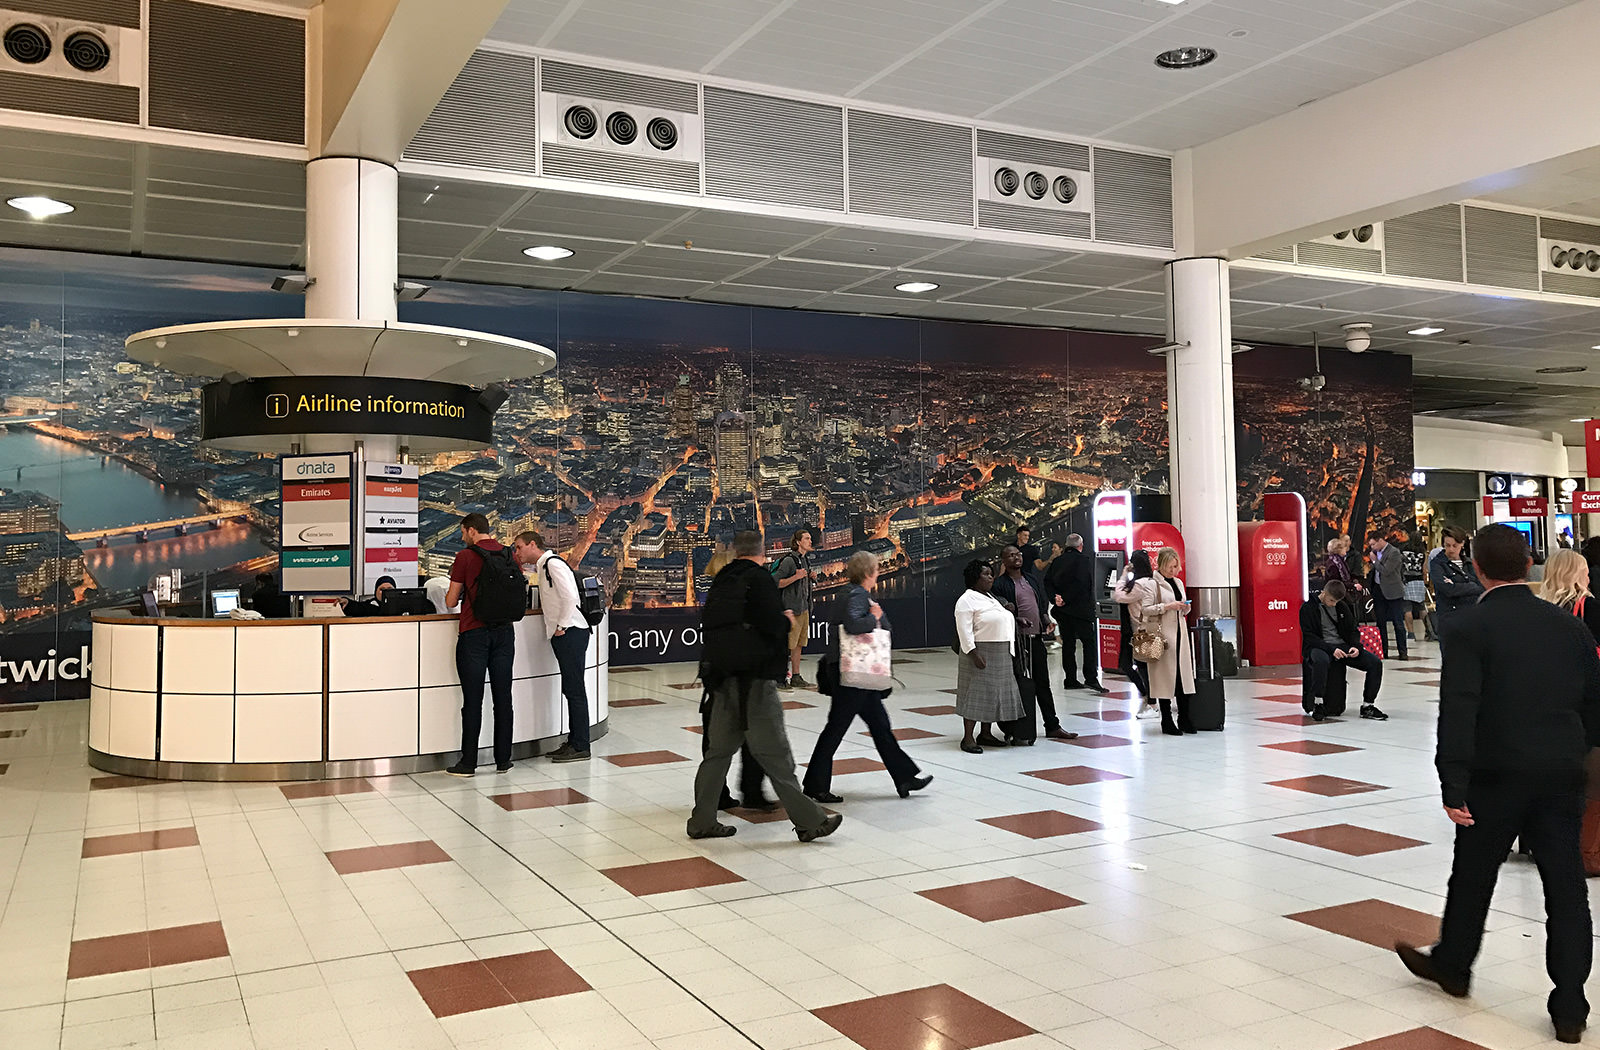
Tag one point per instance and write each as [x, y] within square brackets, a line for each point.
[1184, 723]
[1168, 727]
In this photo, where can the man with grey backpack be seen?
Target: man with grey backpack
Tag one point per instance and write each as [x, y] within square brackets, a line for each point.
[568, 631]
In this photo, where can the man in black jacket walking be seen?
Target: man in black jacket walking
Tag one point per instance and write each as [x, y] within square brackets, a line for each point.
[1329, 643]
[745, 656]
[1070, 581]
[1519, 709]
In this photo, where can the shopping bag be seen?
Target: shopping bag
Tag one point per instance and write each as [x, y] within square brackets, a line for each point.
[865, 660]
[1372, 639]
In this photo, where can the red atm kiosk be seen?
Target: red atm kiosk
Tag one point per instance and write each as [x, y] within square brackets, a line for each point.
[1118, 532]
[1272, 582]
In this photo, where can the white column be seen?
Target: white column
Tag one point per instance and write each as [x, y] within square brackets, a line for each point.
[352, 231]
[1200, 431]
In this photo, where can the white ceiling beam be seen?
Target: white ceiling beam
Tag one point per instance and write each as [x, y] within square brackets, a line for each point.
[381, 66]
[1494, 114]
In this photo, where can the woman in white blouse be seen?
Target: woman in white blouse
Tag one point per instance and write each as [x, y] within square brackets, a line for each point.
[1157, 603]
[986, 632]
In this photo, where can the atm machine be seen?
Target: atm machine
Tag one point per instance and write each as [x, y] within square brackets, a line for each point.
[1123, 523]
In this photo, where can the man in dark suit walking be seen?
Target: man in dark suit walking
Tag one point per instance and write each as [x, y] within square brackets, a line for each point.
[1519, 709]
[1070, 580]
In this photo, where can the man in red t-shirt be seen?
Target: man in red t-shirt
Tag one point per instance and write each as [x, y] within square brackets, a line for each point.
[480, 648]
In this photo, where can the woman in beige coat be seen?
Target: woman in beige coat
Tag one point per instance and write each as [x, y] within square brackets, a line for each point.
[1158, 604]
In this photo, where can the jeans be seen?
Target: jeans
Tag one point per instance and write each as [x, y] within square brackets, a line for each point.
[571, 646]
[1075, 631]
[481, 649]
[1324, 678]
[1550, 820]
[847, 704]
[1387, 611]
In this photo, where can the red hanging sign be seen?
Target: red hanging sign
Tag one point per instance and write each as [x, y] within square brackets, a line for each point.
[1591, 446]
[1586, 502]
[1529, 506]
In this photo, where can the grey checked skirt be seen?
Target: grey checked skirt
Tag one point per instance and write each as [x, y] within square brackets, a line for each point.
[989, 695]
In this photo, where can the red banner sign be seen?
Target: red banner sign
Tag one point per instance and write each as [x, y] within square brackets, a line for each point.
[1591, 446]
[1586, 502]
[1488, 506]
[1529, 506]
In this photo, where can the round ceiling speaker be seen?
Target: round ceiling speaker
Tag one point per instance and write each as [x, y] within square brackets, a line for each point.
[87, 52]
[1065, 189]
[580, 122]
[1364, 234]
[1575, 259]
[1005, 181]
[622, 128]
[1035, 185]
[27, 43]
[661, 133]
[1341, 235]
[1558, 256]
[1591, 261]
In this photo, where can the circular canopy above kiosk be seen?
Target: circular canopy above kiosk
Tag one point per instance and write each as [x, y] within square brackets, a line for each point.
[304, 346]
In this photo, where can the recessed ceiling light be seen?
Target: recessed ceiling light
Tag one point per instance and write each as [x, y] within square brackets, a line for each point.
[1427, 329]
[916, 287]
[1597, 347]
[1580, 419]
[40, 207]
[1174, 3]
[1561, 370]
[1185, 57]
[547, 252]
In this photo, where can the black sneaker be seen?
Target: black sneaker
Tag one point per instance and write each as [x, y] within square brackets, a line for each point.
[1371, 711]
[1420, 963]
[785, 686]
[828, 827]
[718, 831]
[759, 805]
[1096, 687]
[502, 767]
[799, 682]
[565, 753]
[1067, 683]
[1319, 713]
[461, 769]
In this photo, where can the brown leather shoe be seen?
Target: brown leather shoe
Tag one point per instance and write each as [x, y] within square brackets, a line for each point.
[1420, 963]
[1061, 734]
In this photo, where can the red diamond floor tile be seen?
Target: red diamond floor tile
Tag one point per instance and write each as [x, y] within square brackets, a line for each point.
[1374, 922]
[1045, 824]
[637, 701]
[382, 858]
[934, 1018]
[546, 799]
[325, 788]
[935, 711]
[1099, 740]
[1071, 776]
[1330, 787]
[1310, 747]
[645, 758]
[909, 734]
[1351, 840]
[668, 876]
[995, 899]
[139, 842]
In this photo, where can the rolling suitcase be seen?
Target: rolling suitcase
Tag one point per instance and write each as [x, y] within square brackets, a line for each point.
[1207, 708]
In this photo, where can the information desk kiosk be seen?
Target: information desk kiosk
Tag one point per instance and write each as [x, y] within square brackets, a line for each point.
[309, 699]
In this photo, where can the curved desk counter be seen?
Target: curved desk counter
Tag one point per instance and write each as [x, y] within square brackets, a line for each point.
[309, 699]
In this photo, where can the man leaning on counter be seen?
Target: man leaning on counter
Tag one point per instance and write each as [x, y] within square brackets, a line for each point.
[569, 635]
[478, 572]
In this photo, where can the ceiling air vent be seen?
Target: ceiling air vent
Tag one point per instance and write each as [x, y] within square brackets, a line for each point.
[911, 169]
[227, 71]
[774, 149]
[1133, 198]
[486, 119]
[1360, 248]
[624, 128]
[1030, 185]
[1424, 244]
[71, 50]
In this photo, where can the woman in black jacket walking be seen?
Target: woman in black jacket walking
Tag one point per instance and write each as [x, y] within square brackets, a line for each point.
[862, 615]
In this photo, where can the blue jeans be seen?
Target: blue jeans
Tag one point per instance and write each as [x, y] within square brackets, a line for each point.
[485, 649]
[571, 647]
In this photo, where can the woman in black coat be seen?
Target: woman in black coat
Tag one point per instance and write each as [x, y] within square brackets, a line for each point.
[862, 615]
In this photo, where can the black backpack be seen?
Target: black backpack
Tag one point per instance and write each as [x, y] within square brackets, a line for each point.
[591, 592]
[501, 594]
[731, 647]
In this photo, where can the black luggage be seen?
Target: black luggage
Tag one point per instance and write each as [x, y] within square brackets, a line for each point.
[1026, 727]
[1207, 706]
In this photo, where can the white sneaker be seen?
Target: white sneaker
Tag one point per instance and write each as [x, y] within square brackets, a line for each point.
[1147, 708]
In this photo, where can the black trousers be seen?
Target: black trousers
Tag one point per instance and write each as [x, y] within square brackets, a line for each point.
[1032, 648]
[1387, 611]
[1324, 678]
[1074, 632]
[481, 651]
[842, 712]
[1550, 821]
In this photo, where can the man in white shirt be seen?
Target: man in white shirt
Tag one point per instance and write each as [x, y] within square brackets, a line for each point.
[569, 634]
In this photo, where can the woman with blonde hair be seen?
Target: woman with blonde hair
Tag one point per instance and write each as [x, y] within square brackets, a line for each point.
[1157, 605]
[1566, 583]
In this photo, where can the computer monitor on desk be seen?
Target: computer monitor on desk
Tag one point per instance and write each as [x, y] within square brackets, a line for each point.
[224, 601]
[406, 601]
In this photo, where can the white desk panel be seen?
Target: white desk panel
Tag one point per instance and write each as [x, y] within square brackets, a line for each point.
[372, 724]
[437, 654]
[99, 714]
[196, 727]
[533, 716]
[133, 664]
[278, 728]
[197, 660]
[132, 730]
[367, 657]
[102, 636]
[439, 721]
[534, 655]
[268, 659]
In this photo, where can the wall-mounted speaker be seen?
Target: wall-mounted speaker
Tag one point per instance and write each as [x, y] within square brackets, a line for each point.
[1368, 236]
[617, 127]
[68, 49]
[1003, 181]
[1567, 257]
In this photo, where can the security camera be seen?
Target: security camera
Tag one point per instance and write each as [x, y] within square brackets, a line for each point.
[1314, 383]
[1357, 337]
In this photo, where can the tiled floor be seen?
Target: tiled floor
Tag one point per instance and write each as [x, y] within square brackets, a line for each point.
[1226, 891]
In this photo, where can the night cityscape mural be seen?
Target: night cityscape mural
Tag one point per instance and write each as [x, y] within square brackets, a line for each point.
[665, 428]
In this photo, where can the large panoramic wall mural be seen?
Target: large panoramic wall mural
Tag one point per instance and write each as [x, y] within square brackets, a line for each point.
[665, 428]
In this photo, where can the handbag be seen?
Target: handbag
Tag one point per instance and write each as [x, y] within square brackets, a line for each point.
[1148, 645]
[865, 660]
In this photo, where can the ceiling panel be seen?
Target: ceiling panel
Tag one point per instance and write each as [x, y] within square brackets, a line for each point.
[871, 247]
[695, 264]
[949, 285]
[587, 253]
[696, 33]
[1028, 294]
[443, 200]
[735, 232]
[627, 284]
[749, 295]
[791, 273]
[989, 259]
[569, 213]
